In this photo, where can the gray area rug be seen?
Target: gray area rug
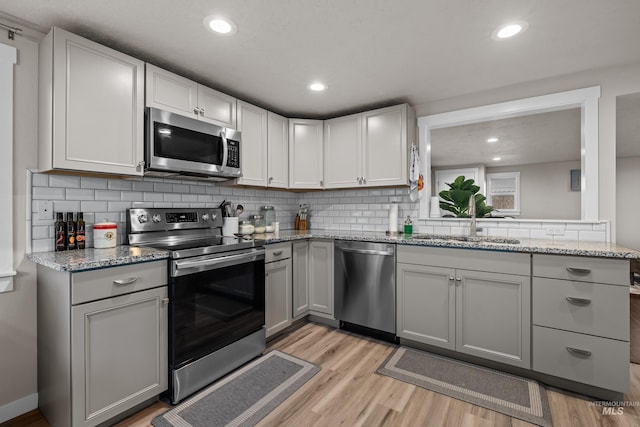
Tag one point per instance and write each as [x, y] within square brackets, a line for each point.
[508, 394]
[244, 397]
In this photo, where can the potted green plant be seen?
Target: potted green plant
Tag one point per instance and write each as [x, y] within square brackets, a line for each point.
[456, 198]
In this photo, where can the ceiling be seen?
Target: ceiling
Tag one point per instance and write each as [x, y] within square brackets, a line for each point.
[535, 138]
[370, 52]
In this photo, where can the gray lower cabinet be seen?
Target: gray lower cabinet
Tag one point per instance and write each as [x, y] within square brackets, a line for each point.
[581, 320]
[102, 341]
[277, 287]
[300, 258]
[321, 277]
[484, 311]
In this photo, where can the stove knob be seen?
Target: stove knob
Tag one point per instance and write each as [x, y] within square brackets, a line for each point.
[156, 218]
[142, 218]
[205, 217]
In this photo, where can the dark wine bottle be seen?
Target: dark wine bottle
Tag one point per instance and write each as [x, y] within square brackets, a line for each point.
[71, 231]
[60, 233]
[80, 227]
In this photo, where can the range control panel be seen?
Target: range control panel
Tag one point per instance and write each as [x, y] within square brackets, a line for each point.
[142, 220]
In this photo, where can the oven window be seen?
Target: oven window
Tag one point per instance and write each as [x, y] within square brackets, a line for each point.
[214, 308]
[177, 143]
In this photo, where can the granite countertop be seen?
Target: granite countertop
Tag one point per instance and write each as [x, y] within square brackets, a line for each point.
[568, 247]
[89, 259]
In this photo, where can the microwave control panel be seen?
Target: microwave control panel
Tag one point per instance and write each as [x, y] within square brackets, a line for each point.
[233, 157]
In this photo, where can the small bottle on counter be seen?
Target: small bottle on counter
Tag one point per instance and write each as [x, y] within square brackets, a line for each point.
[60, 233]
[71, 231]
[408, 226]
[80, 231]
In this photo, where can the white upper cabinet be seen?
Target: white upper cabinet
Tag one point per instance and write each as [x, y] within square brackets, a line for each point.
[369, 149]
[171, 92]
[386, 137]
[91, 107]
[278, 151]
[252, 123]
[342, 152]
[305, 154]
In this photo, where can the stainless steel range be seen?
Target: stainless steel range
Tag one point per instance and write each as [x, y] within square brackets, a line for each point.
[216, 291]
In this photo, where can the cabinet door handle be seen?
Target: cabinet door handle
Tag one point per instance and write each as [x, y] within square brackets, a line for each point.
[364, 181]
[452, 278]
[458, 279]
[128, 281]
[581, 352]
[196, 110]
[165, 301]
[321, 183]
[578, 270]
[202, 111]
[578, 301]
[276, 253]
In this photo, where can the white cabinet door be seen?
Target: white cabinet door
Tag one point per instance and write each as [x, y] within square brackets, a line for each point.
[119, 354]
[216, 107]
[385, 148]
[321, 277]
[252, 123]
[277, 296]
[278, 151]
[342, 152]
[300, 279]
[426, 302]
[493, 316]
[95, 119]
[171, 92]
[305, 154]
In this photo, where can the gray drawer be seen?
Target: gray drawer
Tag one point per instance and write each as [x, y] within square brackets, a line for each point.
[588, 308]
[108, 282]
[277, 252]
[489, 261]
[583, 269]
[607, 365]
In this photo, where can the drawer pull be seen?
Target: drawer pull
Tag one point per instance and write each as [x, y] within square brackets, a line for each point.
[579, 301]
[128, 281]
[276, 253]
[572, 350]
[578, 270]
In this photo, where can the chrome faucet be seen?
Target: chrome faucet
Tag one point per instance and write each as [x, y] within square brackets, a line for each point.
[472, 214]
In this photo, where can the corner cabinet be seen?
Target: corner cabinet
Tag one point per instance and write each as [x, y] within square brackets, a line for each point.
[174, 93]
[300, 258]
[482, 309]
[305, 154]
[369, 149]
[321, 277]
[91, 107]
[277, 287]
[102, 341]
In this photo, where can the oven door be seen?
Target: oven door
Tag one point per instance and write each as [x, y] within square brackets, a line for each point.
[175, 143]
[215, 301]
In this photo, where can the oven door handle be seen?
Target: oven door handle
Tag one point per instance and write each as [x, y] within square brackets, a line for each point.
[180, 268]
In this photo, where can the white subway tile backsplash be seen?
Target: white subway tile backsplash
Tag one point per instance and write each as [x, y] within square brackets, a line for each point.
[519, 233]
[106, 195]
[81, 194]
[66, 206]
[40, 180]
[148, 196]
[120, 184]
[88, 206]
[118, 206]
[47, 193]
[181, 188]
[65, 181]
[592, 236]
[162, 187]
[91, 182]
[568, 235]
[580, 227]
[131, 196]
[142, 186]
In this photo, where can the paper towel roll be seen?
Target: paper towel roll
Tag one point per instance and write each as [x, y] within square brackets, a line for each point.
[393, 218]
[435, 207]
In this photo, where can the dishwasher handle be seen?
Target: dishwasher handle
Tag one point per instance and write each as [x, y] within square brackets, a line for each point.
[367, 251]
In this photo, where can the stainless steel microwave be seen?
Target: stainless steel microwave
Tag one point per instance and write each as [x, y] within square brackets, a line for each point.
[178, 145]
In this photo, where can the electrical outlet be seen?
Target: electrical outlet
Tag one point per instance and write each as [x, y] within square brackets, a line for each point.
[44, 209]
[555, 231]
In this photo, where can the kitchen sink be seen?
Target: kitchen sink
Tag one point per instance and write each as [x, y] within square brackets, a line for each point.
[477, 239]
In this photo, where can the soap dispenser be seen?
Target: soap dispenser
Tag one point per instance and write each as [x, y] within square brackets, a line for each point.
[408, 226]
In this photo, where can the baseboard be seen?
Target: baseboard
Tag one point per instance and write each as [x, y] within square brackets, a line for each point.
[18, 407]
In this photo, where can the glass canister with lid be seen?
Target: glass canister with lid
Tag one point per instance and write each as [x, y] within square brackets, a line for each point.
[269, 214]
[258, 224]
[246, 227]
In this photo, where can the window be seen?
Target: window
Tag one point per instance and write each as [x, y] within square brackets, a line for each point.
[503, 193]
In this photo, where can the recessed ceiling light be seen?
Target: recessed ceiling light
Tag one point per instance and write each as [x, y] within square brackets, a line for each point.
[220, 25]
[496, 159]
[492, 140]
[509, 30]
[317, 87]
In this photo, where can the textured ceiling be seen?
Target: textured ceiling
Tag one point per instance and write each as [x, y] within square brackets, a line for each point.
[370, 52]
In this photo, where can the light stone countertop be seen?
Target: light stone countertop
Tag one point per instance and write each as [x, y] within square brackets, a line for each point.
[89, 259]
[568, 247]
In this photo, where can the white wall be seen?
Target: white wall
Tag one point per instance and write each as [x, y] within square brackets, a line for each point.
[628, 202]
[545, 190]
[18, 308]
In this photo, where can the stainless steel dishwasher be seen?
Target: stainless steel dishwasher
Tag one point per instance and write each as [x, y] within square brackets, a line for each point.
[365, 285]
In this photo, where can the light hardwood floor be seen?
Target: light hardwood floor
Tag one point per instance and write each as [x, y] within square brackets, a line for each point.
[348, 392]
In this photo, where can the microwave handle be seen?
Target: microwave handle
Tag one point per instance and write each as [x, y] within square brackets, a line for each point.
[225, 149]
